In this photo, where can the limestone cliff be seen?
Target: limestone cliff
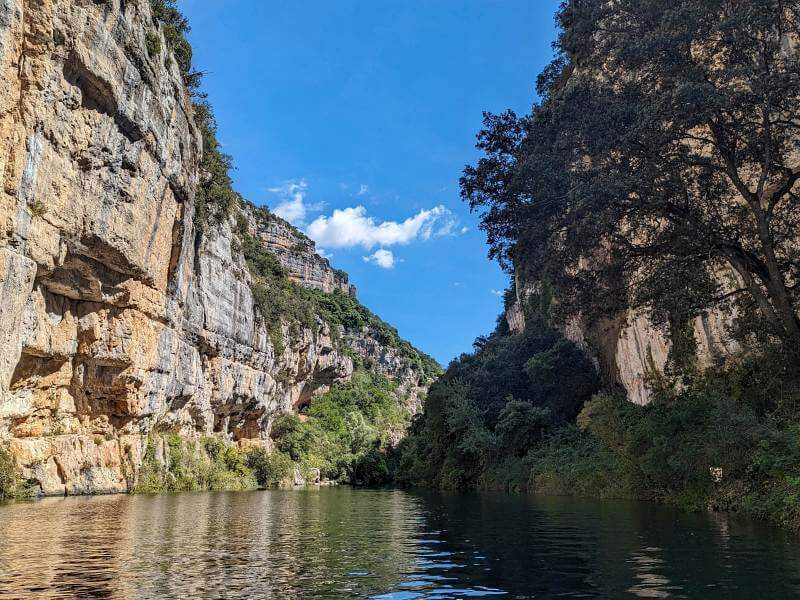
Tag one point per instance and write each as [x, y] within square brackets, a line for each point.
[297, 253]
[628, 349]
[117, 317]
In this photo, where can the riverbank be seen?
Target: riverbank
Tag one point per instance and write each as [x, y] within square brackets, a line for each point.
[722, 440]
[344, 436]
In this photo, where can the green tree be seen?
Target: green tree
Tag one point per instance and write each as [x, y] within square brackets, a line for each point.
[8, 474]
[520, 426]
[563, 378]
[663, 152]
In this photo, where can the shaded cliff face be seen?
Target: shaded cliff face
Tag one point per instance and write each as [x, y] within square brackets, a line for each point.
[628, 349]
[116, 317]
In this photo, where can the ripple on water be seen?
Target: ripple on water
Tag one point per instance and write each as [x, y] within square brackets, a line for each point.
[343, 543]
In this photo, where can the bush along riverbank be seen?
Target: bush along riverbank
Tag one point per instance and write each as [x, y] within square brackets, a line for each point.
[344, 436]
[12, 485]
[524, 413]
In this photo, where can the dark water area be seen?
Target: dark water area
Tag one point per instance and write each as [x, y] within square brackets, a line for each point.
[345, 543]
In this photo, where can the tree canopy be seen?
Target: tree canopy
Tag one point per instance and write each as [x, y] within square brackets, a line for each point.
[660, 167]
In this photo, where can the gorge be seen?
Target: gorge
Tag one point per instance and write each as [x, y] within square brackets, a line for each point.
[161, 333]
[631, 417]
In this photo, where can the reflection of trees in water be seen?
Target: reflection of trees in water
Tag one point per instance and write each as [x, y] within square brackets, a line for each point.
[292, 542]
[549, 545]
[512, 543]
[344, 542]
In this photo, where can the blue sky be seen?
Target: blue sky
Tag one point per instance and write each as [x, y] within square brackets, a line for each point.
[355, 118]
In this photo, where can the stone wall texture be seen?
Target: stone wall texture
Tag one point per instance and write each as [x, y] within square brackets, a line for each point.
[628, 349]
[116, 317]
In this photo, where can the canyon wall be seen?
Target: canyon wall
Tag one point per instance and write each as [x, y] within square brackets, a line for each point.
[117, 318]
[296, 252]
[629, 350]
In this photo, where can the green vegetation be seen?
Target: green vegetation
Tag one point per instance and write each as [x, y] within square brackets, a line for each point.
[37, 208]
[174, 26]
[347, 433]
[344, 436]
[269, 468]
[662, 154]
[657, 172]
[277, 300]
[206, 463]
[494, 404]
[12, 486]
[153, 43]
[724, 440]
[215, 199]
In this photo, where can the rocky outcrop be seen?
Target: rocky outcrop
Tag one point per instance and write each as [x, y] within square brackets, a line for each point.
[116, 317]
[629, 350]
[296, 252]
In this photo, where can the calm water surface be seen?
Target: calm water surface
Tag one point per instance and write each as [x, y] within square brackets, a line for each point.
[342, 543]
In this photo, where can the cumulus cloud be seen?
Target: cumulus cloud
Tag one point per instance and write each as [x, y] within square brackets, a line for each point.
[350, 227]
[293, 206]
[381, 257]
[497, 292]
[363, 189]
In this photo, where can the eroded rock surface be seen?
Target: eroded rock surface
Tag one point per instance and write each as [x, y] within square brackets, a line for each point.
[116, 316]
[629, 350]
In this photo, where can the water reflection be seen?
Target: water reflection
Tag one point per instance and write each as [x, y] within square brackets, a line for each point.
[339, 543]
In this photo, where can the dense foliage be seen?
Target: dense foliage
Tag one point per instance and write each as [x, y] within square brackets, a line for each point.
[206, 463]
[495, 403]
[729, 440]
[215, 197]
[659, 169]
[346, 433]
[12, 485]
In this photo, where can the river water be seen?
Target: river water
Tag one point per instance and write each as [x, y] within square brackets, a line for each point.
[342, 543]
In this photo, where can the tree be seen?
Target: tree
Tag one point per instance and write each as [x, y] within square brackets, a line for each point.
[563, 379]
[521, 426]
[664, 153]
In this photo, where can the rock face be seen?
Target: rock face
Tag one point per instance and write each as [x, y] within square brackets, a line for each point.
[116, 316]
[297, 253]
[629, 350]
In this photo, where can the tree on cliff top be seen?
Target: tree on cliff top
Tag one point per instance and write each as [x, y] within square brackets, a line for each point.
[665, 151]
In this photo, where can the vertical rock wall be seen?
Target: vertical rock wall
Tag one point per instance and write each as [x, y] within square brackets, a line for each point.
[629, 350]
[116, 318]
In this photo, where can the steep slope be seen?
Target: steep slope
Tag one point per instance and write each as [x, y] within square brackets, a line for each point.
[120, 315]
[627, 348]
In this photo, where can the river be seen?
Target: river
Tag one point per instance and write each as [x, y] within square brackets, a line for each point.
[342, 543]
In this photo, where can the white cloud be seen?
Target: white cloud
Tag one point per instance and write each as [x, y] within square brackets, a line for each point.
[382, 258]
[497, 293]
[449, 226]
[363, 189]
[349, 227]
[464, 230]
[293, 206]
